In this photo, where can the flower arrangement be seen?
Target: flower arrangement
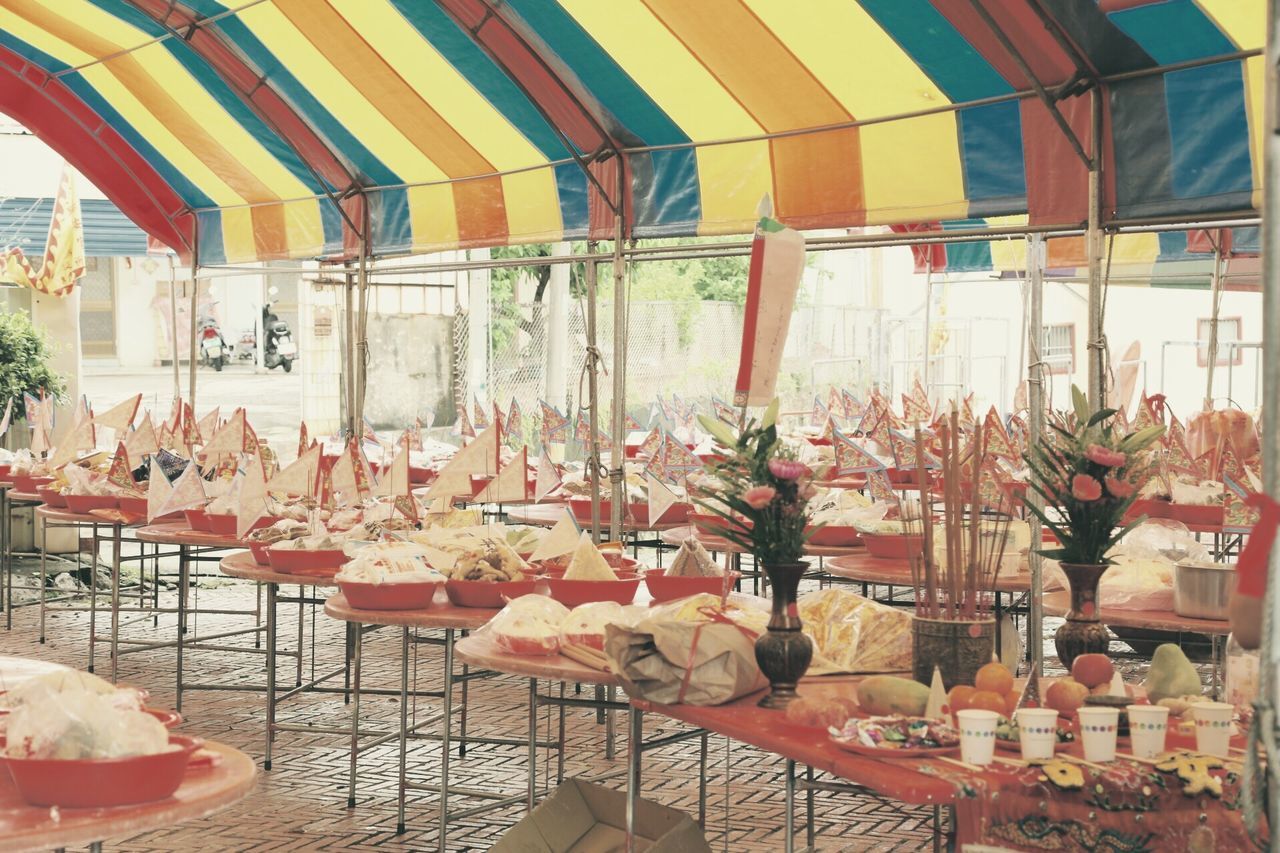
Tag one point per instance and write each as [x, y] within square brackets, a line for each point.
[764, 490]
[1090, 475]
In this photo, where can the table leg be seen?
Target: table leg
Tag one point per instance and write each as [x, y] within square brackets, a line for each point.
[43, 576]
[93, 596]
[272, 593]
[297, 682]
[404, 721]
[445, 736]
[533, 740]
[702, 780]
[937, 829]
[560, 742]
[789, 819]
[610, 747]
[182, 615]
[808, 794]
[6, 557]
[356, 649]
[634, 746]
[462, 723]
[115, 602]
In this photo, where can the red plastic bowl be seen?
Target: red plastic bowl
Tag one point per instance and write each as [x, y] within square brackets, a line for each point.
[637, 513]
[133, 506]
[170, 719]
[894, 546]
[558, 565]
[389, 596]
[197, 519]
[1149, 507]
[293, 561]
[1195, 513]
[573, 593]
[711, 524]
[28, 484]
[4, 471]
[83, 503]
[486, 594]
[52, 498]
[225, 525]
[664, 588]
[103, 783]
[259, 552]
[835, 536]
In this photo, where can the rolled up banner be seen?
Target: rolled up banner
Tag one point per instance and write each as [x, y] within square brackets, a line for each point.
[777, 262]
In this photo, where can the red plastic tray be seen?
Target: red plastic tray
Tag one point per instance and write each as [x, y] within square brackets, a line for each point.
[664, 588]
[27, 483]
[259, 552]
[102, 783]
[835, 536]
[133, 506]
[389, 596]
[486, 594]
[573, 593]
[297, 562]
[225, 525]
[637, 513]
[893, 547]
[197, 519]
[83, 503]
[1195, 513]
[52, 497]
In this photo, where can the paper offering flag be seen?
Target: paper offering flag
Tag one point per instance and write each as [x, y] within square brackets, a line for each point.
[880, 487]
[851, 458]
[479, 458]
[661, 498]
[119, 473]
[904, 450]
[303, 442]
[465, 429]
[480, 420]
[31, 409]
[996, 439]
[395, 478]
[511, 484]
[158, 491]
[120, 416]
[548, 477]
[724, 412]
[652, 443]
[299, 476]
[188, 492]
[515, 421]
[208, 425]
[252, 503]
[560, 540]
[773, 278]
[141, 441]
[678, 459]
[850, 404]
[554, 425]
[820, 414]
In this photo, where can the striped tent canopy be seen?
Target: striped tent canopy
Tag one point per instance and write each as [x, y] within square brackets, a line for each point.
[1175, 259]
[261, 129]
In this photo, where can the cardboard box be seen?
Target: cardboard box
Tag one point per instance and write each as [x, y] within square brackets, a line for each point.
[580, 817]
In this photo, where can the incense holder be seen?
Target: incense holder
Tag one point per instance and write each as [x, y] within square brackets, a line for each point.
[783, 652]
[1082, 632]
[957, 648]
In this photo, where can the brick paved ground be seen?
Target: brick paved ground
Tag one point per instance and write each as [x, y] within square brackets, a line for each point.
[301, 803]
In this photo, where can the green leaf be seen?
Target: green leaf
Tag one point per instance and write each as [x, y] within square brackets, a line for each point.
[1080, 403]
[1058, 554]
[1135, 442]
[1099, 416]
[720, 430]
[770, 414]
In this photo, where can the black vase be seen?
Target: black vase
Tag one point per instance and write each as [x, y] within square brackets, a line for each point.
[1082, 633]
[783, 652]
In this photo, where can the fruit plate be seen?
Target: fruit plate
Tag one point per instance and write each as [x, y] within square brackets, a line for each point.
[103, 783]
[894, 754]
[410, 595]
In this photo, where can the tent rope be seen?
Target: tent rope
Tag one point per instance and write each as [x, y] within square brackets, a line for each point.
[1100, 343]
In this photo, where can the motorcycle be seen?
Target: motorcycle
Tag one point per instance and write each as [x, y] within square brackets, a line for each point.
[247, 345]
[213, 349]
[280, 350]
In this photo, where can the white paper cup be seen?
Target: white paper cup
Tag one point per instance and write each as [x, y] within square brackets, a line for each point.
[977, 735]
[1148, 725]
[1037, 732]
[1098, 732]
[1214, 727]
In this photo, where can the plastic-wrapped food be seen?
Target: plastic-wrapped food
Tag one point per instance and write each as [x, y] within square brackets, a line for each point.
[585, 624]
[70, 681]
[853, 634]
[693, 561]
[1141, 575]
[523, 539]
[528, 625]
[389, 562]
[283, 530]
[1188, 492]
[317, 542]
[588, 564]
[70, 717]
[488, 559]
[842, 507]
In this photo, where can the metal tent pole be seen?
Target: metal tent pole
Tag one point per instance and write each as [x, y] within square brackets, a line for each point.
[928, 316]
[1093, 244]
[173, 325]
[1035, 426]
[191, 354]
[1215, 304]
[593, 397]
[619, 428]
[360, 348]
[348, 356]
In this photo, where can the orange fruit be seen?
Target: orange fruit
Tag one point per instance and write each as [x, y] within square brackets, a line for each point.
[959, 697]
[987, 700]
[994, 677]
[1011, 701]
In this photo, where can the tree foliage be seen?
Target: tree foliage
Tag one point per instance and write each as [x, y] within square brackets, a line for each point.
[25, 352]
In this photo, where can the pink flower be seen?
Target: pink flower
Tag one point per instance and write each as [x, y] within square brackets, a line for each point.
[1103, 456]
[787, 469]
[1085, 488]
[759, 497]
[1119, 488]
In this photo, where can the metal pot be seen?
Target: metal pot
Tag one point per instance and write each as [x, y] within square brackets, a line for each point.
[1202, 590]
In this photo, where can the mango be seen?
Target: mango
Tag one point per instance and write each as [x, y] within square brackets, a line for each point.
[889, 694]
[1171, 675]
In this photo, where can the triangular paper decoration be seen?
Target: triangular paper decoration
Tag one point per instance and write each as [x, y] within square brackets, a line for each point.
[299, 476]
[120, 416]
[252, 503]
[880, 487]
[464, 424]
[479, 458]
[724, 412]
[515, 422]
[480, 418]
[395, 477]
[303, 441]
[80, 438]
[342, 477]
[678, 459]
[227, 441]
[188, 492]
[142, 440]
[651, 444]
[554, 425]
[560, 540]
[512, 483]
[851, 405]
[661, 499]
[820, 414]
[904, 450]
[548, 476]
[119, 474]
[851, 458]
[937, 704]
[208, 425]
[996, 439]
[40, 439]
[158, 491]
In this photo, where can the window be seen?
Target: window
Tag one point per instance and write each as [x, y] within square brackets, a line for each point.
[1228, 332]
[1059, 355]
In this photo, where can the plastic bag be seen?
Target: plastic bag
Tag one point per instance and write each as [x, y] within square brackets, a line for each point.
[585, 625]
[389, 562]
[72, 715]
[854, 634]
[528, 625]
[1141, 577]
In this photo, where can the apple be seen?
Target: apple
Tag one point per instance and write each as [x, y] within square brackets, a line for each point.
[1092, 670]
[1065, 695]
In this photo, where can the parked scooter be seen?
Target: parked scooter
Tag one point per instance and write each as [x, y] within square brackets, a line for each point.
[280, 350]
[213, 349]
[247, 345]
